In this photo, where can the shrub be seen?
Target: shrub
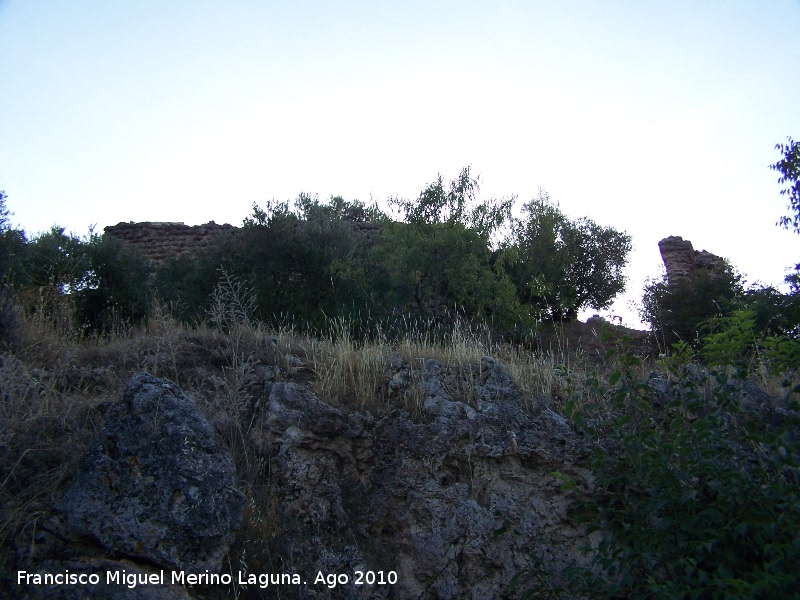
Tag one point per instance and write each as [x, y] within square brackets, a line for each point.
[677, 311]
[699, 498]
[114, 288]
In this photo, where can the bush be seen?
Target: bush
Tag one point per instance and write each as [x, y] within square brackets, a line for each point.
[775, 313]
[9, 319]
[439, 259]
[676, 312]
[699, 498]
[114, 288]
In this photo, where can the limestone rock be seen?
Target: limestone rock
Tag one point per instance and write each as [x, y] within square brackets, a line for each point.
[156, 484]
[683, 262]
[451, 500]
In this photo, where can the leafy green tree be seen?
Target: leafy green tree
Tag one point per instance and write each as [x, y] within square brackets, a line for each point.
[12, 248]
[313, 249]
[789, 168]
[678, 311]
[560, 266]
[5, 213]
[185, 283]
[439, 257]
[115, 288]
[57, 260]
[456, 205]
[302, 261]
[775, 312]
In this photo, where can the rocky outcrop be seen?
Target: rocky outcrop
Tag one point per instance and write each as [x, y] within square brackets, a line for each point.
[156, 490]
[158, 241]
[684, 263]
[156, 485]
[448, 500]
[453, 503]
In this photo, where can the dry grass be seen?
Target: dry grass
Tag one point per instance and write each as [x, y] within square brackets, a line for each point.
[54, 379]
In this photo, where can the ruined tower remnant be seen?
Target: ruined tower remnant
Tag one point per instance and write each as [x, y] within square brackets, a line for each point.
[158, 241]
[684, 263]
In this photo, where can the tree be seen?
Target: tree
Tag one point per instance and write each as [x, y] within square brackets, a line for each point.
[12, 246]
[439, 256]
[679, 311]
[4, 212]
[302, 260]
[455, 206]
[115, 288]
[560, 266]
[789, 168]
[57, 260]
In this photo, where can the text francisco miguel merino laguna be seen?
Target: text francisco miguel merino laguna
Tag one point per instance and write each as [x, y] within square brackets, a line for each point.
[131, 580]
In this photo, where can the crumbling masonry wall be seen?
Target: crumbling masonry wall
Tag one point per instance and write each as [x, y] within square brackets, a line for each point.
[158, 241]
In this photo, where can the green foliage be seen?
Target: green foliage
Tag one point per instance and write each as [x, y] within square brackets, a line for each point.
[12, 255]
[56, 260]
[105, 280]
[562, 266]
[730, 342]
[186, 283]
[439, 258]
[315, 261]
[306, 260]
[12, 247]
[688, 310]
[775, 313]
[114, 287]
[5, 213]
[789, 168]
[456, 206]
[677, 311]
[697, 498]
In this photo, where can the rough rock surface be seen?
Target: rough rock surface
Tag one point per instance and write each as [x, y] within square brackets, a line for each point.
[157, 241]
[453, 501]
[156, 485]
[683, 262]
[454, 497]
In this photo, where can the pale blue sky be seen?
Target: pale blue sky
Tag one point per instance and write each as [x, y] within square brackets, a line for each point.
[656, 118]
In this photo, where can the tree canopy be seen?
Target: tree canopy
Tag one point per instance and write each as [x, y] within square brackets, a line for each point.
[561, 266]
[789, 168]
[445, 254]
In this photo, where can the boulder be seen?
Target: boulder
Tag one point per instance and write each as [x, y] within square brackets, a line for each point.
[156, 485]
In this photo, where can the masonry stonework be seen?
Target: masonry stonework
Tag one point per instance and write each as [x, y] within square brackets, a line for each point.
[158, 241]
[684, 263]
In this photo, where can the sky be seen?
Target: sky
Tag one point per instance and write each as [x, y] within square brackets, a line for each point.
[656, 118]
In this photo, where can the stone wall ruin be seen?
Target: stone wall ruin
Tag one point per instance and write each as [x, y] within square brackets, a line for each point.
[158, 240]
[684, 263]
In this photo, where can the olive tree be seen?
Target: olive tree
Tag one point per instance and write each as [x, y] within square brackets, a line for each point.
[438, 256]
[560, 266]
